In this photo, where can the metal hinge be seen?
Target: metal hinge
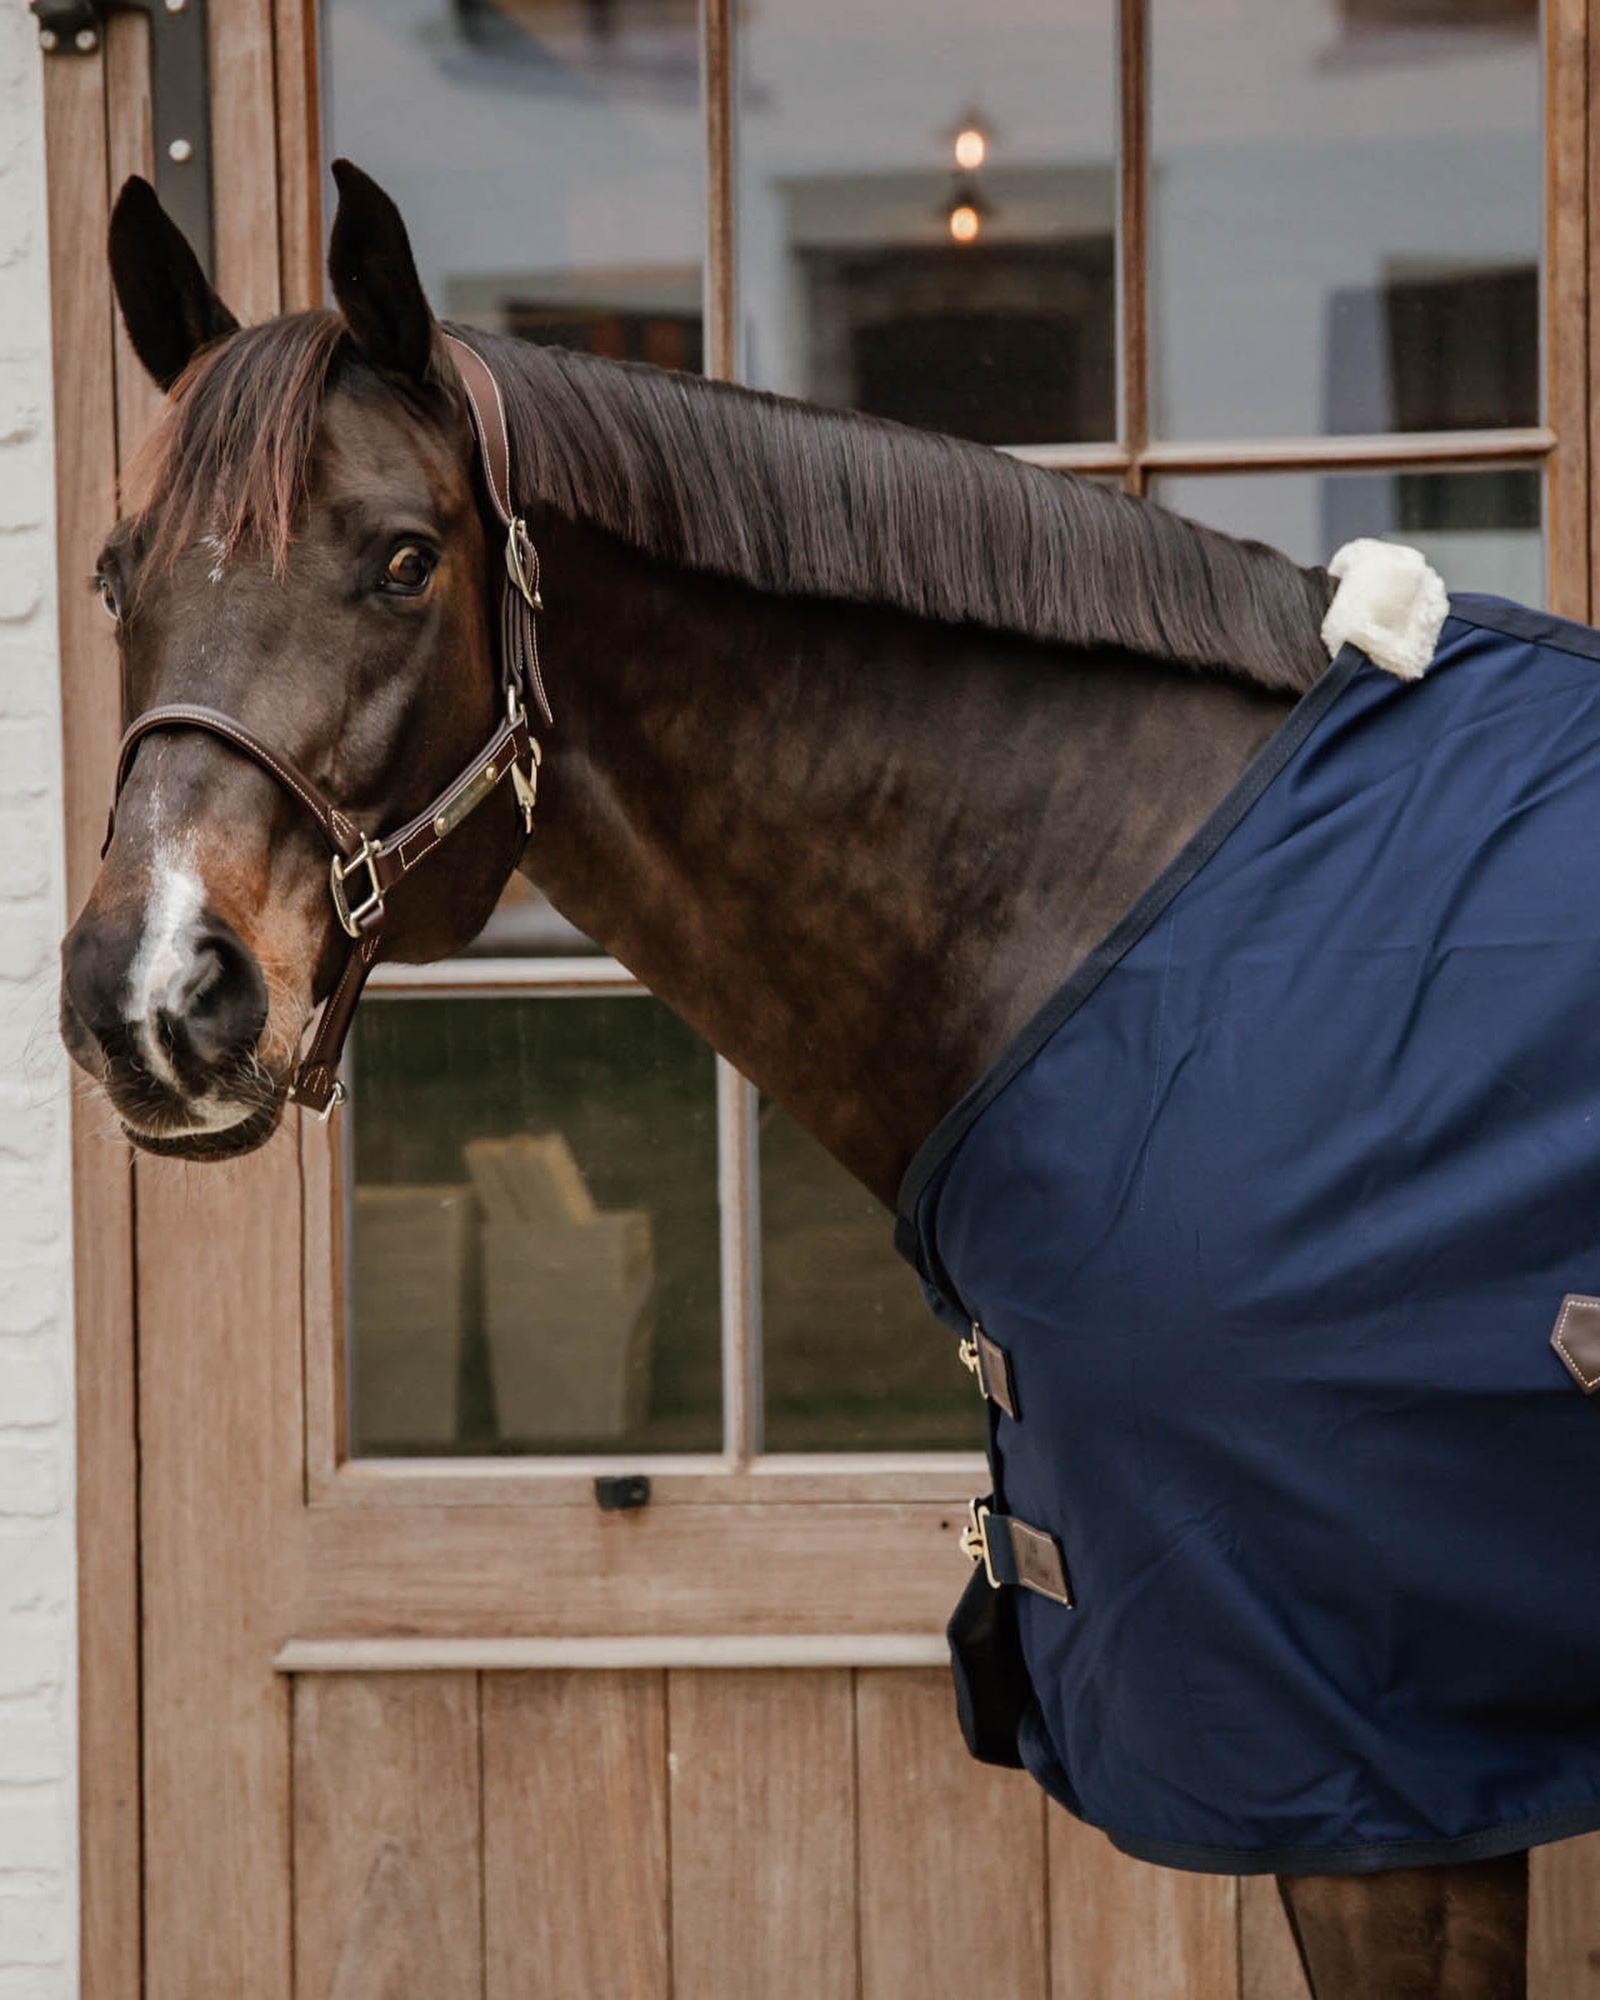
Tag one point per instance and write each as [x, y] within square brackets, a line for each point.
[180, 108]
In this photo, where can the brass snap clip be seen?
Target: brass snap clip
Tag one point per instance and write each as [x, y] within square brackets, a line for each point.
[527, 784]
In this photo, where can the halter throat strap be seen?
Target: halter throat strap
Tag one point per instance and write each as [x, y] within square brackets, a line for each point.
[364, 869]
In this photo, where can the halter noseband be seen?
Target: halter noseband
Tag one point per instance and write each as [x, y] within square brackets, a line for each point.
[365, 869]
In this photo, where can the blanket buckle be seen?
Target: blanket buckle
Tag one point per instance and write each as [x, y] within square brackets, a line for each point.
[975, 1539]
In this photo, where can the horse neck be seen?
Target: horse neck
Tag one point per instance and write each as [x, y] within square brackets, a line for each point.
[854, 849]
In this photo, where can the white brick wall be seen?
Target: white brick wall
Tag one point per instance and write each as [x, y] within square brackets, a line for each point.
[38, 1839]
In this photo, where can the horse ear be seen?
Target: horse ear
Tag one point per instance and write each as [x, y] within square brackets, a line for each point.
[167, 303]
[375, 277]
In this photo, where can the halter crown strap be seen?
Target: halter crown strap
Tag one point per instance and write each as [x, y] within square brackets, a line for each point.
[364, 870]
[519, 593]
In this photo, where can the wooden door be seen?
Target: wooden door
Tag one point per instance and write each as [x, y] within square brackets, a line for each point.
[356, 1727]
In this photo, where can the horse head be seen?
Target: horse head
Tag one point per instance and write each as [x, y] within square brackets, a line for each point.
[306, 555]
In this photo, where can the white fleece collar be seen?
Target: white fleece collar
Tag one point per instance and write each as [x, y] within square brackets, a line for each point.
[1389, 603]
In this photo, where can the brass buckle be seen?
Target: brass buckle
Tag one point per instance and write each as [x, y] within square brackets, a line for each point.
[971, 1359]
[522, 563]
[353, 916]
[975, 1539]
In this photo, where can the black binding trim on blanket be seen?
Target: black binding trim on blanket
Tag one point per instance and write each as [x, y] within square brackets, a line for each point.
[1488, 1844]
[1537, 628]
[953, 1127]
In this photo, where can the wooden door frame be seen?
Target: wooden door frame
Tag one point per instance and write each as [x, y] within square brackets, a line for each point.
[135, 1309]
[199, 1521]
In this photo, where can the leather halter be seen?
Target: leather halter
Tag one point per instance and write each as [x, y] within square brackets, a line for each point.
[365, 869]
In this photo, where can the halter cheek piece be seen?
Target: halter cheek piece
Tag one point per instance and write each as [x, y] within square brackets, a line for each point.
[365, 869]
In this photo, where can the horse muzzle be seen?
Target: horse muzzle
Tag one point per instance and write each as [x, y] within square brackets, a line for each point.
[166, 1011]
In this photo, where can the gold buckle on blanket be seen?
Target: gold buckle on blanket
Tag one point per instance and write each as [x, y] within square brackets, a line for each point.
[975, 1539]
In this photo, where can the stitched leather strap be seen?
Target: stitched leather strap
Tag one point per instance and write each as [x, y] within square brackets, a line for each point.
[316, 1083]
[1015, 1552]
[990, 1363]
[519, 590]
[376, 865]
[398, 853]
[344, 836]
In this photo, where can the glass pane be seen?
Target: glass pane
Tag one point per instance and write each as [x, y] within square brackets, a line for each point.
[927, 210]
[854, 1361]
[525, 925]
[1345, 215]
[1480, 530]
[548, 157]
[533, 1228]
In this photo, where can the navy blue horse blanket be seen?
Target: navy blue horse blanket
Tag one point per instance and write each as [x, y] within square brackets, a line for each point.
[1285, 1213]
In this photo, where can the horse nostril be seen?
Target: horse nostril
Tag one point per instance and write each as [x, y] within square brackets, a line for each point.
[219, 1007]
[94, 973]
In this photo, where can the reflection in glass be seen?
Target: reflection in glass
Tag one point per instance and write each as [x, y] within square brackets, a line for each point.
[533, 1229]
[548, 157]
[853, 1359]
[927, 211]
[525, 925]
[1345, 216]
[1480, 530]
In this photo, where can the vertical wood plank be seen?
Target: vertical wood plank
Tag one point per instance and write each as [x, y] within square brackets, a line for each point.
[245, 128]
[1133, 232]
[1567, 265]
[953, 1886]
[299, 153]
[1269, 1963]
[718, 59]
[1122, 1930]
[109, 1831]
[388, 1879]
[219, 1391]
[1564, 1920]
[130, 142]
[575, 1835]
[219, 1287]
[762, 1816]
[326, 1376]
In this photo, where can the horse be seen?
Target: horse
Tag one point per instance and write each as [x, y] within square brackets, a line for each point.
[863, 739]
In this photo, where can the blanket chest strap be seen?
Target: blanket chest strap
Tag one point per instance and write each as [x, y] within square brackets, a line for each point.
[991, 1364]
[1012, 1551]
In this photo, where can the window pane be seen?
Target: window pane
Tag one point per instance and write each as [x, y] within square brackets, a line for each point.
[525, 925]
[533, 1228]
[1345, 215]
[854, 1359]
[1480, 530]
[548, 157]
[878, 272]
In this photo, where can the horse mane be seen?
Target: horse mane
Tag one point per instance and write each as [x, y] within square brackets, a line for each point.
[803, 501]
[782, 496]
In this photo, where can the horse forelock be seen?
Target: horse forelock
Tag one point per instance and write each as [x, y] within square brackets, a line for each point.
[227, 464]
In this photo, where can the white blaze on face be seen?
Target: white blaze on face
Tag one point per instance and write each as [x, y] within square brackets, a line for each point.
[218, 549]
[160, 972]
[164, 957]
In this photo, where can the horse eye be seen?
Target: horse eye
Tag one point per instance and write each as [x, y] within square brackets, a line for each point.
[108, 597]
[409, 569]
